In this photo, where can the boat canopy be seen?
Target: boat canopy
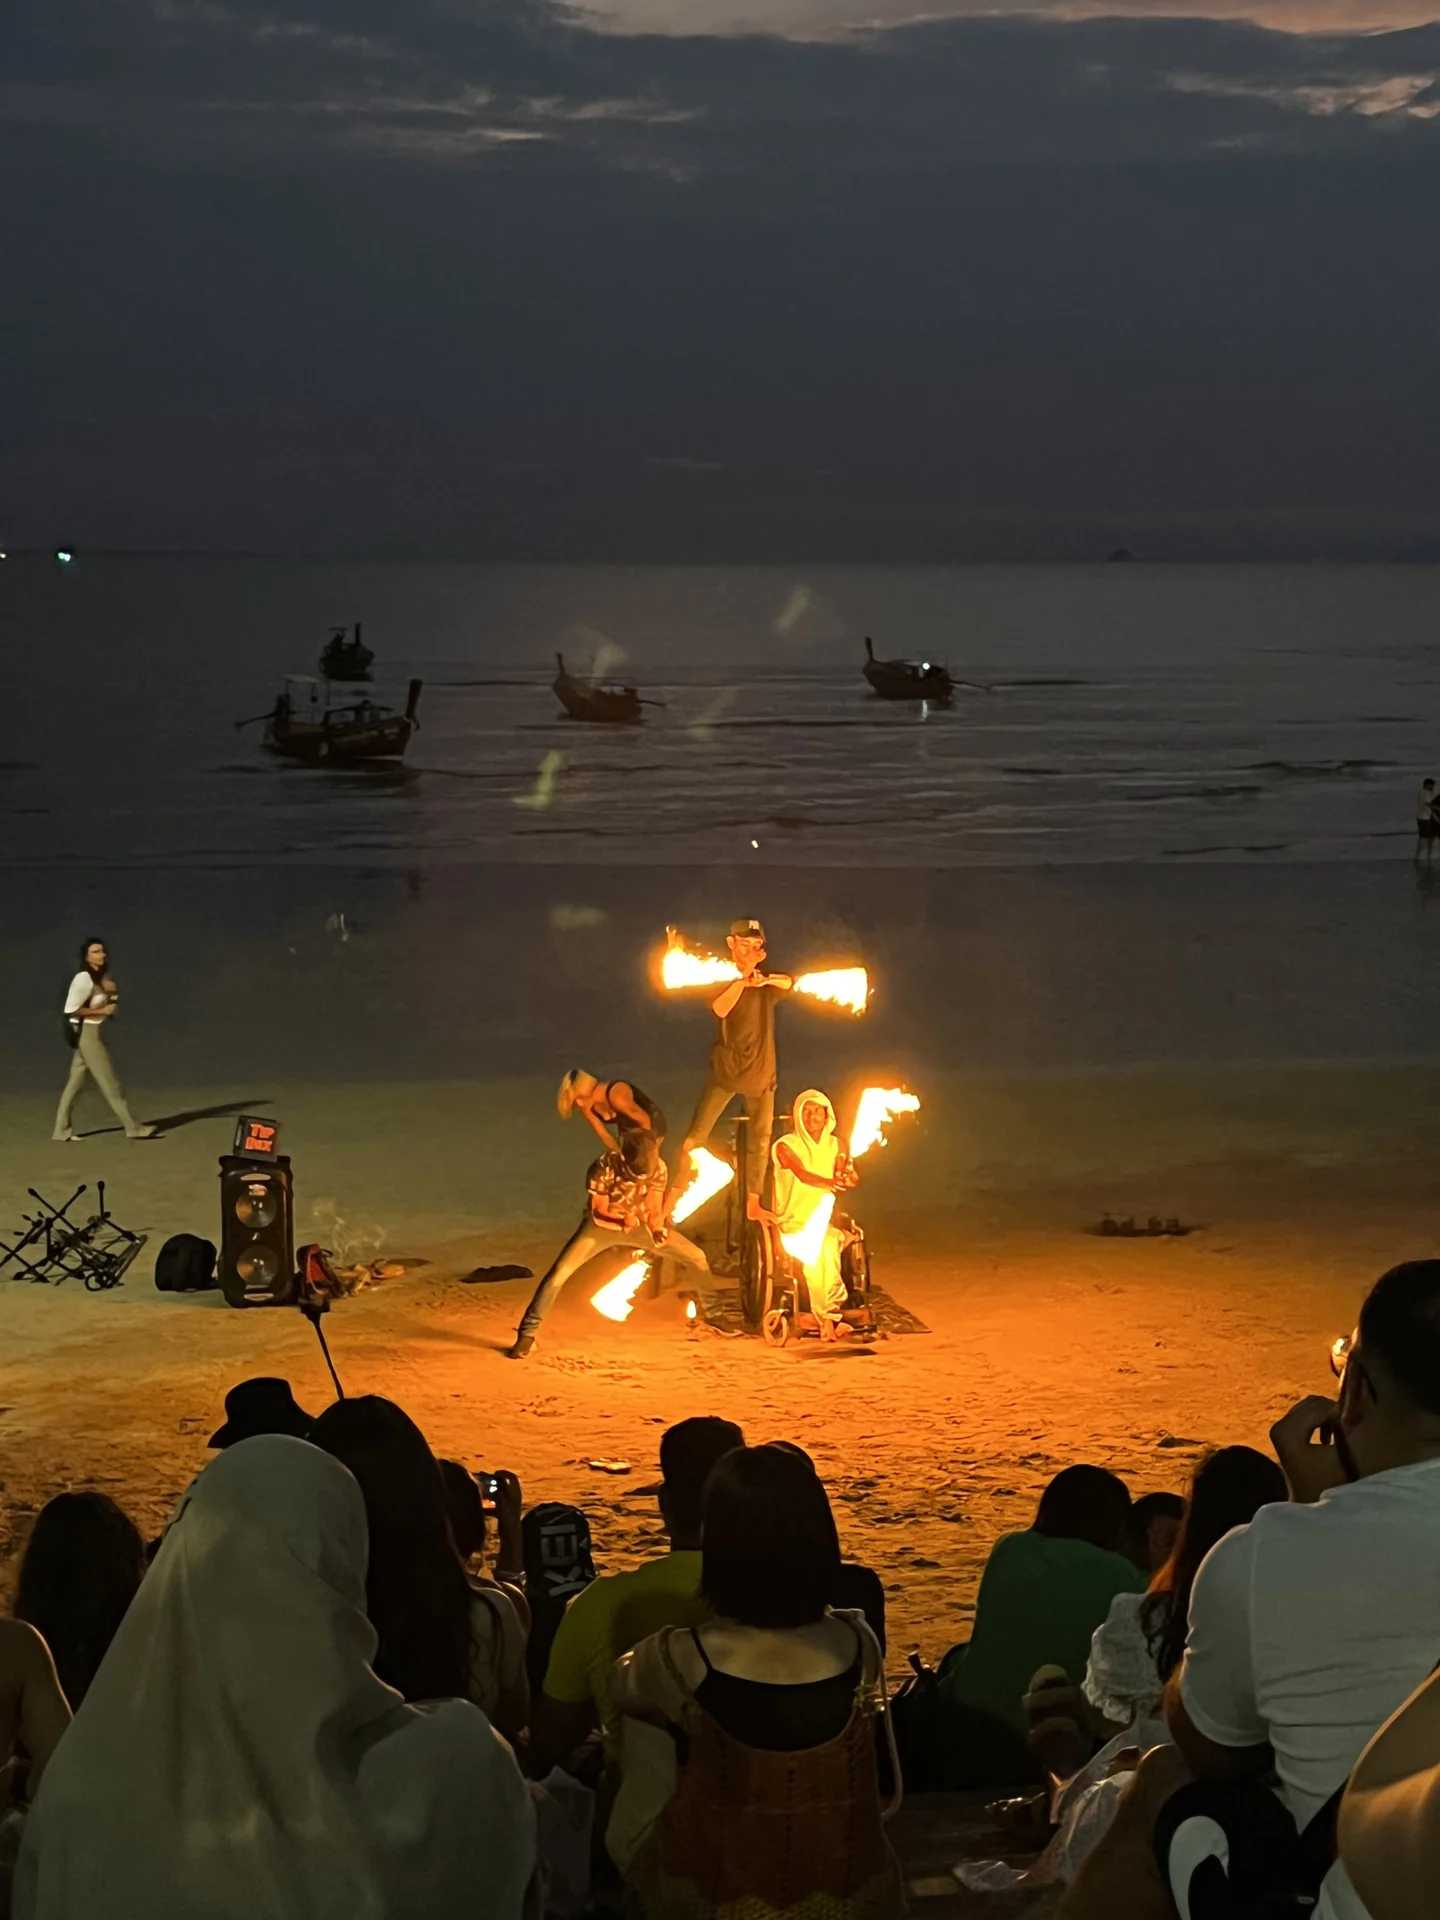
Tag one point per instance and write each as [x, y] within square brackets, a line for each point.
[308, 697]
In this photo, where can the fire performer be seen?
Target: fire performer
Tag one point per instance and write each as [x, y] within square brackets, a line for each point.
[607, 1104]
[809, 1164]
[625, 1207]
[742, 1060]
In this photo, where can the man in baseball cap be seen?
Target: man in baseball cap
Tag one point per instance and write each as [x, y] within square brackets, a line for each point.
[742, 1060]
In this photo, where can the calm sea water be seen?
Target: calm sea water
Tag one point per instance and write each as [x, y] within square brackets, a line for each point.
[1123, 714]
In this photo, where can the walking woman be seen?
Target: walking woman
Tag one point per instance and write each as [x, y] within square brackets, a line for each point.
[92, 1000]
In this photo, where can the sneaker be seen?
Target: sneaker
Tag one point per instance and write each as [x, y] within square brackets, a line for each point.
[142, 1133]
[523, 1347]
[64, 1136]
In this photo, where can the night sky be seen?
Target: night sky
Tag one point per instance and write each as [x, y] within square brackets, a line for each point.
[518, 280]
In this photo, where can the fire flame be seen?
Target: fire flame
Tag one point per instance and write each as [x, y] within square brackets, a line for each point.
[617, 1297]
[878, 1106]
[709, 1175]
[691, 1310]
[681, 968]
[805, 1245]
[838, 986]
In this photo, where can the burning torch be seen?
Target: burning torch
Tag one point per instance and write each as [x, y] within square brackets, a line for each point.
[682, 966]
[877, 1107]
[709, 1175]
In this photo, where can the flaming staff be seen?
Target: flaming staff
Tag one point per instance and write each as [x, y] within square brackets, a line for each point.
[682, 967]
[709, 1175]
[877, 1108]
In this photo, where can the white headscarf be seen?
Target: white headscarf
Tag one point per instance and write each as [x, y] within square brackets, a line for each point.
[237, 1757]
[792, 1196]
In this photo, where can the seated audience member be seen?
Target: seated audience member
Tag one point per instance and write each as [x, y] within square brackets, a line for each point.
[1150, 1534]
[1308, 1628]
[1390, 1816]
[262, 1405]
[1042, 1595]
[439, 1638]
[33, 1709]
[1135, 1650]
[558, 1563]
[238, 1755]
[465, 1504]
[615, 1612]
[748, 1777]
[81, 1568]
[33, 1716]
[855, 1585]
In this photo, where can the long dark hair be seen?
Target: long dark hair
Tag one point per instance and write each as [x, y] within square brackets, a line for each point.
[82, 1567]
[418, 1598]
[94, 940]
[1229, 1488]
[1085, 1503]
[769, 1553]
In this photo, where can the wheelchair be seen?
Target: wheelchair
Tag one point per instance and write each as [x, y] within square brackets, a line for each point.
[774, 1296]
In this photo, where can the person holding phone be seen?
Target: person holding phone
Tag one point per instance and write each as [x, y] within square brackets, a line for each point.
[1308, 1628]
[92, 1000]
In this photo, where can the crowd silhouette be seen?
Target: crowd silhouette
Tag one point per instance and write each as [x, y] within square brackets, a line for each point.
[351, 1678]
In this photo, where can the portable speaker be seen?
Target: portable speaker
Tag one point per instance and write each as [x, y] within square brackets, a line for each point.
[257, 1232]
[185, 1264]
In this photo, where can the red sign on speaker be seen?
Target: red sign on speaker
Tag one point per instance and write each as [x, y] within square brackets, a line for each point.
[257, 1139]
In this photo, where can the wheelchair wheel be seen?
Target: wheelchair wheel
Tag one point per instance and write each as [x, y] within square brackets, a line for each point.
[775, 1328]
[855, 1271]
[756, 1276]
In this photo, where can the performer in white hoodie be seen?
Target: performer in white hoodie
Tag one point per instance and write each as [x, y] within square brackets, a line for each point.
[808, 1164]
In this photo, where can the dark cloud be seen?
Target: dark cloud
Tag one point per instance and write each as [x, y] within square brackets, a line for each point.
[493, 280]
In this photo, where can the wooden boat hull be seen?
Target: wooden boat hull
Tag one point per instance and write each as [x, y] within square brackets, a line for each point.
[349, 744]
[346, 667]
[899, 683]
[597, 703]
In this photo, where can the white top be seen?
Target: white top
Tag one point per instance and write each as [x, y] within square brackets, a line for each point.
[1122, 1681]
[83, 993]
[1424, 804]
[1310, 1626]
[237, 1756]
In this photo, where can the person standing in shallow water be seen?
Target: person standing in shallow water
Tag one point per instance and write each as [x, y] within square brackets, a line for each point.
[92, 1000]
[1427, 820]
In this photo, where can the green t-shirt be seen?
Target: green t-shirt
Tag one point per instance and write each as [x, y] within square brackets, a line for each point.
[1040, 1601]
[614, 1614]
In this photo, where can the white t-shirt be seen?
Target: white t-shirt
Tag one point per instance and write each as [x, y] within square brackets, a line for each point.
[1424, 804]
[1310, 1626]
[83, 993]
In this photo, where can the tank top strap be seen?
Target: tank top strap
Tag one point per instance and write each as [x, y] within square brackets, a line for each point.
[700, 1649]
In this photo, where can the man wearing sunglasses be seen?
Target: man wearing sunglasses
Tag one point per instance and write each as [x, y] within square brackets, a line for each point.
[1308, 1628]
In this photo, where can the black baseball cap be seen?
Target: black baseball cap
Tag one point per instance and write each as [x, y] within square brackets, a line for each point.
[746, 930]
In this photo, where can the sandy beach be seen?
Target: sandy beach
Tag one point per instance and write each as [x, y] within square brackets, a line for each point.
[1046, 1343]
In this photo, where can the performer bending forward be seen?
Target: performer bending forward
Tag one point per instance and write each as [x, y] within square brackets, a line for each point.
[607, 1104]
[742, 1060]
[625, 1207]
